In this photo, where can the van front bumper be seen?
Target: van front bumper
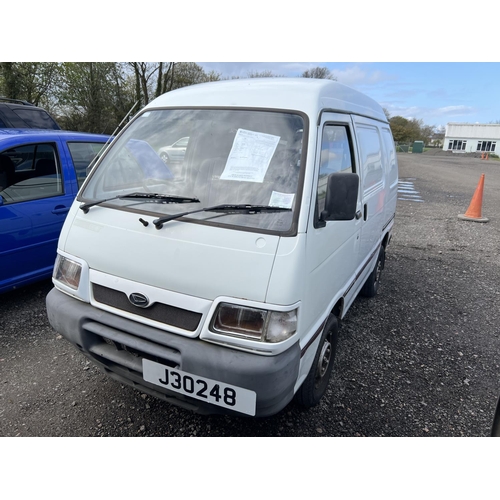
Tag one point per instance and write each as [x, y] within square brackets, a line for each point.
[117, 345]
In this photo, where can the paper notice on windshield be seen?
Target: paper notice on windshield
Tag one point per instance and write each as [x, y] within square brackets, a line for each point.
[282, 200]
[250, 156]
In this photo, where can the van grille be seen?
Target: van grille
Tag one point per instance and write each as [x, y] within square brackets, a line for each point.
[115, 348]
[163, 313]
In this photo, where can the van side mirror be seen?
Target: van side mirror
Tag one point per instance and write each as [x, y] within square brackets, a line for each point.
[341, 197]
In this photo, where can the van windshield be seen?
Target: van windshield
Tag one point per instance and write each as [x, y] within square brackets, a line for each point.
[217, 156]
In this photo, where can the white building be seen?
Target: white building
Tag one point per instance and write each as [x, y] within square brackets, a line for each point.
[472, 137]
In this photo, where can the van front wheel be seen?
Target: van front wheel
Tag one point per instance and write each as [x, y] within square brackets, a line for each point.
[316, 382]
[370, 288]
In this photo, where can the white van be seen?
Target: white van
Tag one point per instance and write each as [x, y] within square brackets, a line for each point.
[215, 277]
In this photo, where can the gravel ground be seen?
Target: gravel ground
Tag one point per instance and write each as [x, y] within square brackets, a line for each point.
[420, 359]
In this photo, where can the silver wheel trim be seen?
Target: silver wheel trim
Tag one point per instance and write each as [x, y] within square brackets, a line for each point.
[324, 358]
[378, 271]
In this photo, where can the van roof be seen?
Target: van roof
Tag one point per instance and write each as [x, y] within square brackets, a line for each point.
[308, 95]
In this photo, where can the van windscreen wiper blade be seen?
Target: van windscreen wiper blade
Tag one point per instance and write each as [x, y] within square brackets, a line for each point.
[226, 209]
[150, 197]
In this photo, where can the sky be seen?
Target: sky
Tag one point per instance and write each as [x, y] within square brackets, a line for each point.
[435, 92]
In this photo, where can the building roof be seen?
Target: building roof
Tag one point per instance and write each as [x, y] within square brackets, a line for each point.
[489, 131]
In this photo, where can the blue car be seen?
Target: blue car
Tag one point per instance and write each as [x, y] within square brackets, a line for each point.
[40, 174]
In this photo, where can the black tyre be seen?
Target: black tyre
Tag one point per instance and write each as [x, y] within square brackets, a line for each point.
[316, 383]
[370, 288]
[495, 428]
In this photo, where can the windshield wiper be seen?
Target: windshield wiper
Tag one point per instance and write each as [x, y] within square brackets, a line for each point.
[150, 197]
[225, 209]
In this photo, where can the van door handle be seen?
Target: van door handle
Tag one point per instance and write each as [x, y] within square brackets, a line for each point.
[60, 209]
[358, 215]
[366, 212]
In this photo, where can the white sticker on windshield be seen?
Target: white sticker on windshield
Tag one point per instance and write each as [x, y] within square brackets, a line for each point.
[250, 156]
[282, 200]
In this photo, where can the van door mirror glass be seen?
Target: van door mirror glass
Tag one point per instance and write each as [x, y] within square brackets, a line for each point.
[341, 197]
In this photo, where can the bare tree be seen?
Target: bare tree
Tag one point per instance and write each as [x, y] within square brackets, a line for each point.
[318, 72]
[154, 79]
[189, 73]
[263, 74]
[145, 73]
[168, 78]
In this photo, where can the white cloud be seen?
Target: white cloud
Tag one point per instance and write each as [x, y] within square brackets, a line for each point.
[354, 76]
[455, 110]
[431, 115]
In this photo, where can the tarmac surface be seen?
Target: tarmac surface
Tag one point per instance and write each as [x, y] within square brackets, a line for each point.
[422, 358]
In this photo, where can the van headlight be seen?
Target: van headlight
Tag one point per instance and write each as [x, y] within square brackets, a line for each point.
[70, 275]
[255, 324]
[67, 272]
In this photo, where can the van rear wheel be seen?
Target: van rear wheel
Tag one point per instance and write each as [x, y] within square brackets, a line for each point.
[316, 382]
[370, 288]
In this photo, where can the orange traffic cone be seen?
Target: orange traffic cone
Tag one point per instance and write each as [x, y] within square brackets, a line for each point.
[474, 211]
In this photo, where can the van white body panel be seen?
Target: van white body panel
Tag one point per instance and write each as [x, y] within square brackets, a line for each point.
[311, 96]
[189, 259]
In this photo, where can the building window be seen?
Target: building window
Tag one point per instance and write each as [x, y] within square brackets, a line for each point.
[486, 146]
[457, 145]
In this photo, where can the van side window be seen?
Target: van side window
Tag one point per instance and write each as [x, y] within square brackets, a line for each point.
[371, 157]
[335, 157]
[391, 155]
[30, 172]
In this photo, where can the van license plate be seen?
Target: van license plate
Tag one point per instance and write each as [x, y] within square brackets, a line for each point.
[204, 389]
